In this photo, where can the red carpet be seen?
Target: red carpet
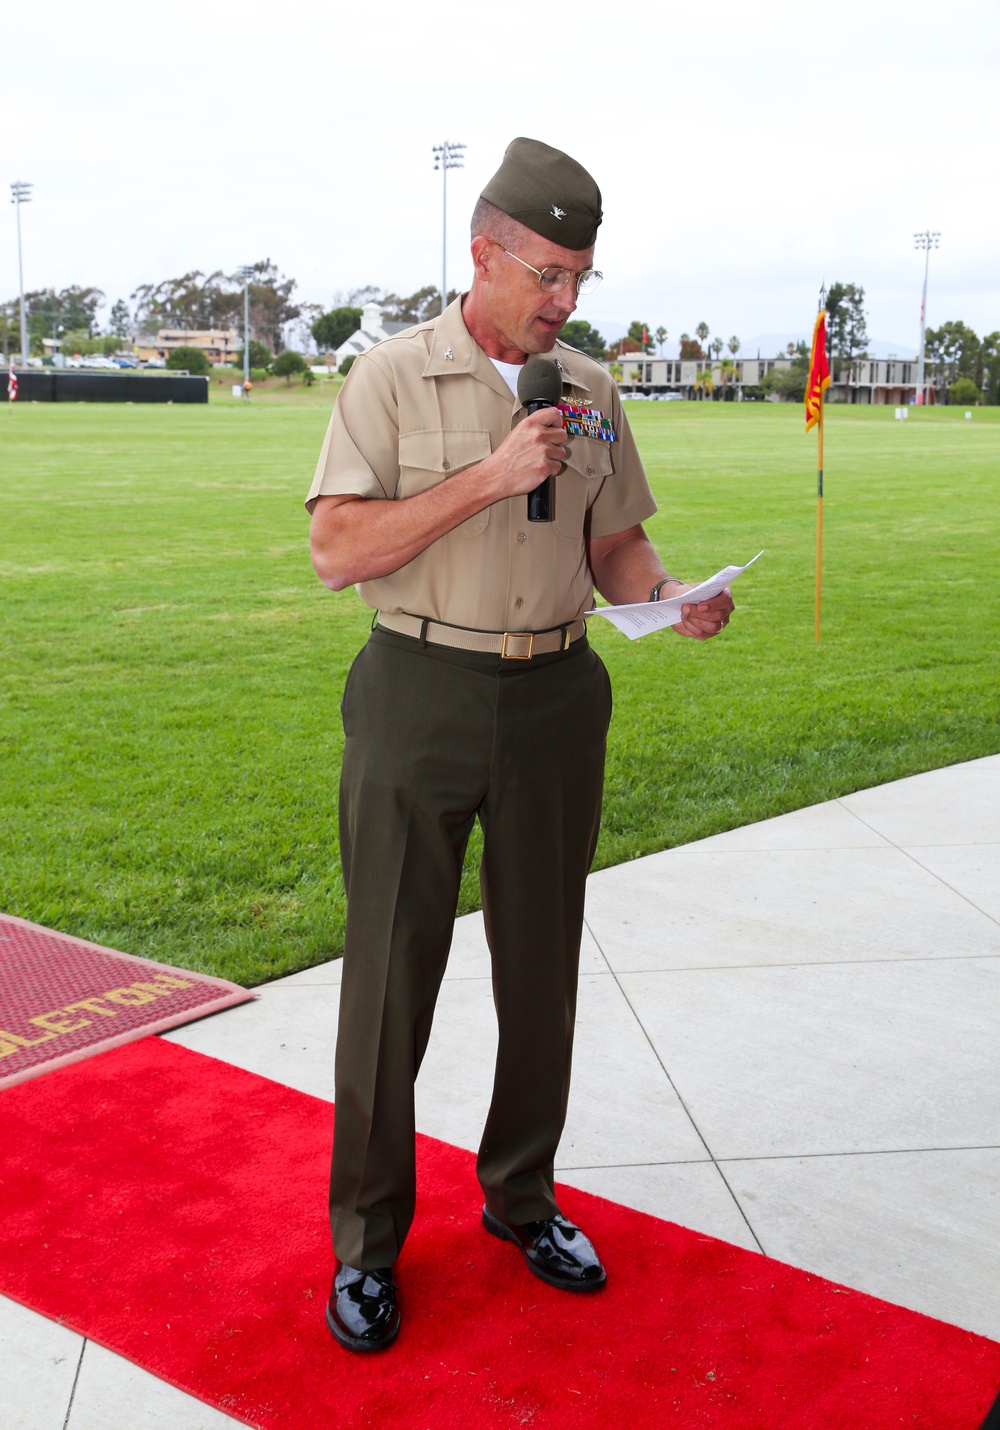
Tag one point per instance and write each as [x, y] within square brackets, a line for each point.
[62, 998]
[172, 1208]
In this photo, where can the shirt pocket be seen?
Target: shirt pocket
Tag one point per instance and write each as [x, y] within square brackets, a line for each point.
[430, 457]
[588, 466]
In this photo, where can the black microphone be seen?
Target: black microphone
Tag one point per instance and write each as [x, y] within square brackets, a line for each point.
[539, 384]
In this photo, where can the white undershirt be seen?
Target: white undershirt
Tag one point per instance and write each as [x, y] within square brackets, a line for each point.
[509, 371]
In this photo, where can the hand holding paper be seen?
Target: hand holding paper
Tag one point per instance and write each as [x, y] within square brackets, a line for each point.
[645, 616]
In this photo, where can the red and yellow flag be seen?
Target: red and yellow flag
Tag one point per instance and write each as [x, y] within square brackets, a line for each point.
[819, 373]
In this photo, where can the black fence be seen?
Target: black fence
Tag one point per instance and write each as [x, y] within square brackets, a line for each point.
[59, 385]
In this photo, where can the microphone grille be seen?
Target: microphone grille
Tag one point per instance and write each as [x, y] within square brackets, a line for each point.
[539, 381]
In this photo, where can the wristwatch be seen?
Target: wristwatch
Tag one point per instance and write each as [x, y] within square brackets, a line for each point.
[654, 594]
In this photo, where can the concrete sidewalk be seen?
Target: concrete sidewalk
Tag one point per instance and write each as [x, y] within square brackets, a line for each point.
[788, 1038]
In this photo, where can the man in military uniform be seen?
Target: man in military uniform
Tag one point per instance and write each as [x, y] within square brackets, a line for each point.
[477, 696]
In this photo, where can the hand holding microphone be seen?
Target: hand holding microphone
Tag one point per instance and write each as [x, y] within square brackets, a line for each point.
[539, 385]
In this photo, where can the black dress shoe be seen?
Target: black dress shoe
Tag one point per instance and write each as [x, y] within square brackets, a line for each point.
[555, 1250]
[362, 1311]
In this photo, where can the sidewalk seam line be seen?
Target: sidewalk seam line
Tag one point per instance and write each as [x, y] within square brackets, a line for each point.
[680, 1099]
[72, 1394]
[863, 1152]
[808, 963]
[779, 1157]
[913, 860]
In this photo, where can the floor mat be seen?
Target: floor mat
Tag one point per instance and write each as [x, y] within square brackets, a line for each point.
[62, 998]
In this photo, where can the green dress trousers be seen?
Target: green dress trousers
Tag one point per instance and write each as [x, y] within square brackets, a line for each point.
[435, 738]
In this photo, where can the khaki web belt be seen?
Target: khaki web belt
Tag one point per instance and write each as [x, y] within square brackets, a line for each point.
[509, 645]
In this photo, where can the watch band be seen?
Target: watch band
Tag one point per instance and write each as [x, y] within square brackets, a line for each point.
[654, 594]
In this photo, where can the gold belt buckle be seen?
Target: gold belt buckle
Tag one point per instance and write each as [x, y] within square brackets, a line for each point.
[505, 651]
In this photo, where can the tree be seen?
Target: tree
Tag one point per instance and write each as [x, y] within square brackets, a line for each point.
[346, 365]
[194, 301]
[788, 384]
[78, 343]
[847, 330]
[419, 307]
[73, 308]
[336, 327]
[989, 353]
[581, 335]
[702, 331]
[271, 305]
[191, 302]
[955, 347]
[954, 351]
[661, 337]
[727, 371]
[288, 364]
[77, 307]
[691, 350]
[193, 360]
[624, 346]
[309, 313]
[639, 333]
[634, 374]
[120, 322]
[716, 346]
[260, 355]
[615, 371]
[733, 345]
[964, 392]
[703, 384]
[358, 297]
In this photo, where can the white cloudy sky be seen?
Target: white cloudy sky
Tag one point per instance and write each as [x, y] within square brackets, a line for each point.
[745, 151]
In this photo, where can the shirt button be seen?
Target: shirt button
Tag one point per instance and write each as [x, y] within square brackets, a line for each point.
[519, 602]
[521, 536]
[446, 465]
[590, 471]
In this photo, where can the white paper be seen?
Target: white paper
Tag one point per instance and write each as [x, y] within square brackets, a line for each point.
[640, 619]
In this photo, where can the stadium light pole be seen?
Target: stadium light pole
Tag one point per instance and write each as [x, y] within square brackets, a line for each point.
[21, 194]
[246, 273]
[446, 156]
[927, 240]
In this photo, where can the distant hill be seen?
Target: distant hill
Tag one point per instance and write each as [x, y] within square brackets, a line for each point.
[774, 344]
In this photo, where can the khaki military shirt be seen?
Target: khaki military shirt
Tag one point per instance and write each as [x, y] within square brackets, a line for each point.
[422, 405]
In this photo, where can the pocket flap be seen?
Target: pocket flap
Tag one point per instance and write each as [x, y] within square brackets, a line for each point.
[589, 457]
[443, 450]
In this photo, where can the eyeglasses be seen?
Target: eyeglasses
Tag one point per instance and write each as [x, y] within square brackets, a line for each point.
[553, 280]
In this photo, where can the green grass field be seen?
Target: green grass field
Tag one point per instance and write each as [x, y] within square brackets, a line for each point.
[172, 668]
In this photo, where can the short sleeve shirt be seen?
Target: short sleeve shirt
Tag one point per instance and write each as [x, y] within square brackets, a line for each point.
[424, 404]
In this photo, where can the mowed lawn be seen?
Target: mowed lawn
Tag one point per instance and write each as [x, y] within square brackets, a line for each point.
[172, 669]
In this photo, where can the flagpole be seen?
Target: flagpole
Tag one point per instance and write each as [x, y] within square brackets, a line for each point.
[819, 512]
[819, 381]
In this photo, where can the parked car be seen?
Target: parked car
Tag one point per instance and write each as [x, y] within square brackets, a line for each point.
[669, 397]
[125, 361]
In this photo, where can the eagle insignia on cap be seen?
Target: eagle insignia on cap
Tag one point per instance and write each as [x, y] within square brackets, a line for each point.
[548, 192]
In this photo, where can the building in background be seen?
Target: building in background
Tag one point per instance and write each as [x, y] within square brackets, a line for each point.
[373, 330]
[889, 382]
[220, 345]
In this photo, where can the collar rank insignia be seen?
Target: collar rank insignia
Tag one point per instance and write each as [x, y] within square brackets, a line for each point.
[587, 422]
[557, 212]
[449, 355]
